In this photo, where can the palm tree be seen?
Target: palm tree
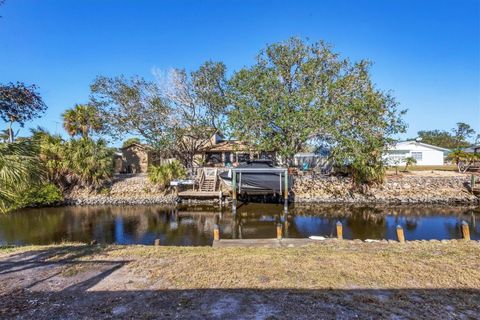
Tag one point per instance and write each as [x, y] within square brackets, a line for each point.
[409, 161]
[89, 162]
[81, 120]
[463, 160]
[19, 168]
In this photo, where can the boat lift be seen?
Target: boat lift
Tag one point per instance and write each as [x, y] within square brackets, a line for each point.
[283, 175]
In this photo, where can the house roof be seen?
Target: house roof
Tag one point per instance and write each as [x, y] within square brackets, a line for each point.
[401, 143]
[138, 145]
[226, 146]
[472, 149]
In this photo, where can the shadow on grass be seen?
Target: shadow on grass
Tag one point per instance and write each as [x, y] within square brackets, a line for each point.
[27, 284]
[56, 256]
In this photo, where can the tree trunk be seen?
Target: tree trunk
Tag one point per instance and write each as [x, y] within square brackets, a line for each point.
[10, 132]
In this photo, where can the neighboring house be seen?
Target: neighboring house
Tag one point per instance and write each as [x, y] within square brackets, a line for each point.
[473, 149]
[134, 159]
[425, 154]
[227, 152]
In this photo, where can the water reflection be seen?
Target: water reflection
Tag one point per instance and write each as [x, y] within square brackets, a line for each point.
[193, 226]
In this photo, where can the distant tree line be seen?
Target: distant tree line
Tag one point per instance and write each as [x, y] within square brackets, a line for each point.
[457, 138]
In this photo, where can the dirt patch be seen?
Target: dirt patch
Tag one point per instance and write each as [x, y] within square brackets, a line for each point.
[330, 280]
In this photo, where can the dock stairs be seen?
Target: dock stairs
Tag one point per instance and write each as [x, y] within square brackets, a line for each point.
[207, 180]
[206, 186]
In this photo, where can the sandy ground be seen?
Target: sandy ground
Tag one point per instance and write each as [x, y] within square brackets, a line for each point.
[332, 280]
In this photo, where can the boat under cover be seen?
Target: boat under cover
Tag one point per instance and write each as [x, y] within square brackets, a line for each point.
[257, 177]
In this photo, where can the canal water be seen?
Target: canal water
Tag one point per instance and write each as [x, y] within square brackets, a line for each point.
[193, 225]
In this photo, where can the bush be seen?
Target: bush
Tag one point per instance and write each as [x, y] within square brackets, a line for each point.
[78, 162]
[39, 195]
[367, 173]
[163, 174]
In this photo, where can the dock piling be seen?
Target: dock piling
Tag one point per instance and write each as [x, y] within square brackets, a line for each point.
[400, 234]
[216, 233]
[279, 231]
[339, 231]
[234, 192]
[465, 230]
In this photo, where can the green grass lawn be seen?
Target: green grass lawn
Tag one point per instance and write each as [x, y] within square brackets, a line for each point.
[333, 280]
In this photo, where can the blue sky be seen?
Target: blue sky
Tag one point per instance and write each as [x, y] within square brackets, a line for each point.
[426, 52]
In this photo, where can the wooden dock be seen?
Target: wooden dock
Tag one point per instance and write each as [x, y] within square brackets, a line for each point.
[265, 243]
[197, 194]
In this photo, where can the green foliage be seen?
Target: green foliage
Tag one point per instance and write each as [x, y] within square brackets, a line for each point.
[463, 160]
[105, 191]
[177, 115]
[368, 173]
[89, 162]
[455, 140]
[409, 161]
[19, 103]
[82, 120]
[131, 106]
[19, 168]
[299, 93]
[130, 141]
[39, 195]
[83, 161]
[162, 175]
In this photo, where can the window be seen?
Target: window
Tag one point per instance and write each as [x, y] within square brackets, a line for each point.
[417, 156]
[213, 158]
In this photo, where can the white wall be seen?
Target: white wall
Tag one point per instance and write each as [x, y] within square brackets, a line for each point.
[430, 156]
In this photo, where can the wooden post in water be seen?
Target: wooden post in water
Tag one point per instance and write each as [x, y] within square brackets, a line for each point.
[400, 234]
[279, 231]
[286, 224]
[465, 230]
[216, 233]
[339, 231]
[157, 242]
[234, 192]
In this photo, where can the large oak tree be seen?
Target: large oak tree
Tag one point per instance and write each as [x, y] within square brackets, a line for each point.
[299, 92]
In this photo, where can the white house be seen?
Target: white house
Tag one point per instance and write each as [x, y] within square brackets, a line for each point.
[425, 154]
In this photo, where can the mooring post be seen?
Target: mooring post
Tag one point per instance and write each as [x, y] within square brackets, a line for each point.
[465, 230]
[279, 231]
[234, 194]
[216, 233]
[400, 234]
[472, 182]
[157, 242]
[339, 231]
[286, 224]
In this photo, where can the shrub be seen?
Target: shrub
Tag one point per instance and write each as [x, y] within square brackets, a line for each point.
[83, 161]
[163, 174]
[19, 168]
[39, 195]
[367, 173]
